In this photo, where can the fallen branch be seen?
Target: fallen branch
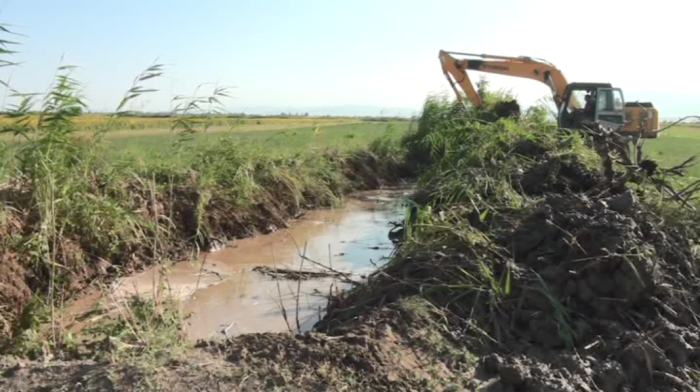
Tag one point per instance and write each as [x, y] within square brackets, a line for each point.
[292, 274]
[678, 122]
[345, 276]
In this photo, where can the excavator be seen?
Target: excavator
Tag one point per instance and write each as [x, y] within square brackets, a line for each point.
[579, 105]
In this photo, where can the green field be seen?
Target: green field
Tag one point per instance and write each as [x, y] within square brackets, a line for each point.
[675, 146]
[305, 138]
[148, 145]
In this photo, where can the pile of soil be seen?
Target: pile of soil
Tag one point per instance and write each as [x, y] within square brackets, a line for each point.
[588, 289]
[607, 299]
[506, 109]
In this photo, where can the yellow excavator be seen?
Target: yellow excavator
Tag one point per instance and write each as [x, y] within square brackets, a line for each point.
[579, 105]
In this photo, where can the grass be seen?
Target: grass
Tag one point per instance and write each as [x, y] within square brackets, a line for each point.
[276, 136]
[675, 146]
[150, 327]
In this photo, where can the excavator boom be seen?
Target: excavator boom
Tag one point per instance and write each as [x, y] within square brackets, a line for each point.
[524, 67]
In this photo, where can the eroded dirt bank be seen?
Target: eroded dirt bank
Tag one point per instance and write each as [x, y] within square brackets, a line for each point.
[110, 224]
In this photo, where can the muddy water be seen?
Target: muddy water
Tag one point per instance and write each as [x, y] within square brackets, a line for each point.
[224, 297]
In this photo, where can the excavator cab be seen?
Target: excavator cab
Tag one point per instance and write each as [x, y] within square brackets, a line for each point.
[602, 104]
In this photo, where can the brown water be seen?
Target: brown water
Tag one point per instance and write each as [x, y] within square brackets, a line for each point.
[224, 297]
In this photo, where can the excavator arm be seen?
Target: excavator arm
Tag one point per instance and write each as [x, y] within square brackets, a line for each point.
[524, 67]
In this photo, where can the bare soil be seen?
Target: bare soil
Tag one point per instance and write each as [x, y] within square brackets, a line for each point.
[393, 348]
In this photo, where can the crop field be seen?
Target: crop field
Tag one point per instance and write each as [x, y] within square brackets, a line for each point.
[150, 139]
[278, 138]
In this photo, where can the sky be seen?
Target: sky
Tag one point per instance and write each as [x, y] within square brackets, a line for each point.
[363, 53]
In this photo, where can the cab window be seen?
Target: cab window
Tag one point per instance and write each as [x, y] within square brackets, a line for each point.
[618, 102]
[605, 100]
[576, 101]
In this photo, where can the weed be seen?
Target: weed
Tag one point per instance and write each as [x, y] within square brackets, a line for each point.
[561, 314]
[146, 330]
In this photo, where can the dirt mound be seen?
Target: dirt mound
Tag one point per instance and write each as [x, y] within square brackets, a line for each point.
[506, 109]
[586, 287]
[390, 348]
[605, 279]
